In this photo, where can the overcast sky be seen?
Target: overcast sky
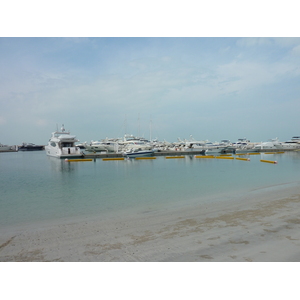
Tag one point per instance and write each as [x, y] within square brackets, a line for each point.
[210, 88]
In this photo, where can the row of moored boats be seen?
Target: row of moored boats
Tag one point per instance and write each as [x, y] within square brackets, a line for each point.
[63, 145]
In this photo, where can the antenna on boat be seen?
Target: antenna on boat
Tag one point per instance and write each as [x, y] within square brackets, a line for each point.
[150, 129]
[139, 126]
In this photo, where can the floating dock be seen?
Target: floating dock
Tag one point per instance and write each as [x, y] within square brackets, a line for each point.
[113, 158]
[78, 159]
[179, 153]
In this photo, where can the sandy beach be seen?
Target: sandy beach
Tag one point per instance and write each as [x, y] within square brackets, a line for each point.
[261, 227]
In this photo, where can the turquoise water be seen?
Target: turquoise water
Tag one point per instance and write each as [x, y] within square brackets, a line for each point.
[35, 187]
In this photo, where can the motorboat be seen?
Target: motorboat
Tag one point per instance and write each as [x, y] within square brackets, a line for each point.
[241, 146]
[62, 145]
[293, 143]
[30, 147]
[81, 145]
[275, 144]
[4, 148]
[131, 142]
[214, 151]
[138, 152]
[99, 146]
[270, 144]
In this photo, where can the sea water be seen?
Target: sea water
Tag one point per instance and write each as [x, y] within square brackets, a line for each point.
[37, 188]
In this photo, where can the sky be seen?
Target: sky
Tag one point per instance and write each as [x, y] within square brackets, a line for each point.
[210, 88]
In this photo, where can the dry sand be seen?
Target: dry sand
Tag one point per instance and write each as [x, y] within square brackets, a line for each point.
[263, 227]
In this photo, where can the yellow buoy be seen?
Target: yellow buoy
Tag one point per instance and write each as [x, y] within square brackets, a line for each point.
[174, 157]
[224, 157]
[254, 153]
[145, 158]
[241, 158]
[204, 156]
[269, 161]
[115, 158]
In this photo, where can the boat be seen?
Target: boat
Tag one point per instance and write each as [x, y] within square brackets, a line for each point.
[81, 145]
[211, 151]
[276, 144]
[99, 146]
[30, 147]
[7, 148]
[293, 143]
[4, 148]
[131, 142]
[294, 140]
[242, 146]
[137, 152]
[62, 145]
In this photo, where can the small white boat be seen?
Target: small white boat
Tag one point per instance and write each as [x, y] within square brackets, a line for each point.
[214, 151]
[136, 152]
[4, 148]
[62, 145]
[99, 146]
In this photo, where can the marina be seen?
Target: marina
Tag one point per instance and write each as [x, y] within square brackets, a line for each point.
[63, 145]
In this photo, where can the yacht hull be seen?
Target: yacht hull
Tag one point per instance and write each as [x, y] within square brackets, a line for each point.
[138, 153]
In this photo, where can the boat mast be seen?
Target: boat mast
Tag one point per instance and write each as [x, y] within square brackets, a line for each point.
[150, 129]
[139, 126]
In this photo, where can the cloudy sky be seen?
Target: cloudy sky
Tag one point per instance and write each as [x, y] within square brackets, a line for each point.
[209, 87]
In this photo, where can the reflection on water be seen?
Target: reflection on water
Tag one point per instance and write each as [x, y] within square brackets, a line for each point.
[60, 165]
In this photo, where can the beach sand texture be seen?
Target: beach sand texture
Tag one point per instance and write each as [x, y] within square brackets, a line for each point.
[261, 228]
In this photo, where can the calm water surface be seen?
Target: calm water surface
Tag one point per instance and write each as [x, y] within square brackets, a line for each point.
[35, 187]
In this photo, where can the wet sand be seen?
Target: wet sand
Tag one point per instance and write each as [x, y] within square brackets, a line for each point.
[261, 227]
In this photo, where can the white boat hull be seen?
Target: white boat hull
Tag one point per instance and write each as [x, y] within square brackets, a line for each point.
[141, 153]
[64, 152]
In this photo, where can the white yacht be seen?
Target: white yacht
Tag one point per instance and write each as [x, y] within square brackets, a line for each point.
[294, 143]
[62, 145]
[104, 145]
[138, 152]
[270, 144]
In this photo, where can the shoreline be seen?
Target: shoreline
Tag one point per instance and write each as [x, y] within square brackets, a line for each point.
[260, 226]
